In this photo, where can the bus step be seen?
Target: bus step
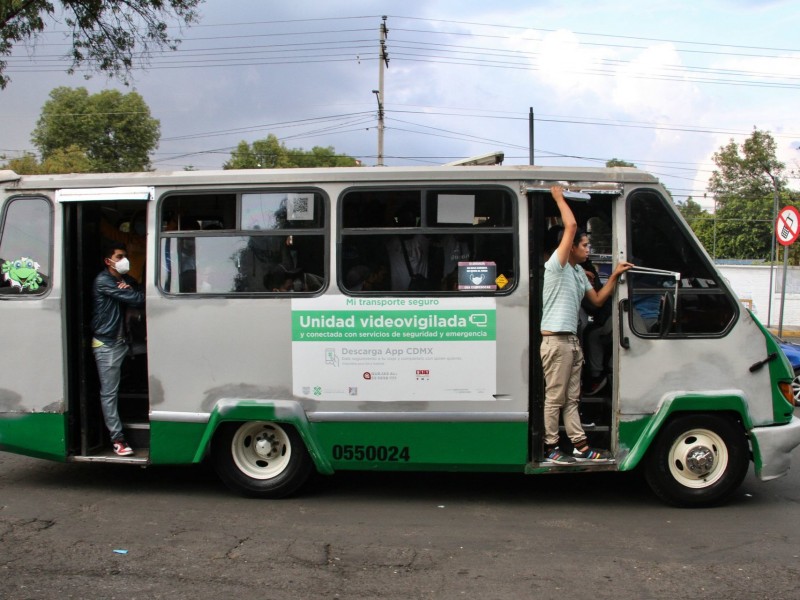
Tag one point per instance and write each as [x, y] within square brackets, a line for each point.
[141, 458]
[545, 466]
[595, 400]
[137, 434]
[593, 427]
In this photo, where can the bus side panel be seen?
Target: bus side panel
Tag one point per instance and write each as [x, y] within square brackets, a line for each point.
[447, 446]
[40, 435]
[175, 443]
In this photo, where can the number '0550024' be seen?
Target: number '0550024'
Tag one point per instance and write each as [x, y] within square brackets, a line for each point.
[371, 453]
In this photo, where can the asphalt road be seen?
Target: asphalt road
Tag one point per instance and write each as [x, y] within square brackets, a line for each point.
[103, 531]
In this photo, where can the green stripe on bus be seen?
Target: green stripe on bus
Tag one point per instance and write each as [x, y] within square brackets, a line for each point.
[415, 446]
[174, 443]
[41, 435]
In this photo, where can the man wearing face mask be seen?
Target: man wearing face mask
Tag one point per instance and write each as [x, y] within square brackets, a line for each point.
[112, 291]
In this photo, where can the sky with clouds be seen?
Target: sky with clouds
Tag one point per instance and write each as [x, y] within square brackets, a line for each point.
[662, 84]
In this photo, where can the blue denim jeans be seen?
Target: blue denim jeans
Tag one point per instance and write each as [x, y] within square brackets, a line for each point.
[109, 359]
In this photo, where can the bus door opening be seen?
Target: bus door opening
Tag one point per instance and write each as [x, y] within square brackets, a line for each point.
[594, 213]
[89, 226]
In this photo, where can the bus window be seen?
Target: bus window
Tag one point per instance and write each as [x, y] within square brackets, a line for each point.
[25, 247]
[658, 241]
[428, 241]
[276, 244]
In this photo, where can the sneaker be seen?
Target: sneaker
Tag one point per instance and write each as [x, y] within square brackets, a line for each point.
[555, 455]
[121, 448]
[591, 454]
[596, 386]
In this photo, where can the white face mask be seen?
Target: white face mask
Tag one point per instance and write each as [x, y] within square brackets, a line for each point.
[122, 266]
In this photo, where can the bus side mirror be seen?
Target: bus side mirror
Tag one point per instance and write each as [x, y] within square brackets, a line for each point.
[667, 315]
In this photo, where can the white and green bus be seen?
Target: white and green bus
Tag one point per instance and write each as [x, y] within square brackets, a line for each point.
[377, 319]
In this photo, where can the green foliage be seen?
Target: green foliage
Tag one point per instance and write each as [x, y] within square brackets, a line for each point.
[270, 153]
[115, 130]
[745, 185]
[700, 220]
[106, 35]
[27, 164]
[71, 159]
[618, 162]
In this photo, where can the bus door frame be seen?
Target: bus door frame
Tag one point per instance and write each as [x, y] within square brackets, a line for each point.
[81, 437]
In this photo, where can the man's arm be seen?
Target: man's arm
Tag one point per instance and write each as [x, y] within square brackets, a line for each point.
[568, 221]
[121, 292]
[599, 297]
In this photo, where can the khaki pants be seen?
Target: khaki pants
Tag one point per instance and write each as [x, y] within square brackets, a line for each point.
[562, 359]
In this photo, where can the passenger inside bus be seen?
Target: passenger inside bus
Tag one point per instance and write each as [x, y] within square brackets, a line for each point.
[112, 292]
[132, 233]
[281, 280]
[565, 286]
[408, 256]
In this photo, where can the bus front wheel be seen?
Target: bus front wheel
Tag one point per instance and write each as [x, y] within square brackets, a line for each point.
[697, 460]
[260, 459]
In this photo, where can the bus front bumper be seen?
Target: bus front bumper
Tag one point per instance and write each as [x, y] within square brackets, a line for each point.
[774, 445]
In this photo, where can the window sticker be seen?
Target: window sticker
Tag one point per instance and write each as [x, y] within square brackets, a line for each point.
[456, 208]
[22, 273]
[300, 207]
[475, 275]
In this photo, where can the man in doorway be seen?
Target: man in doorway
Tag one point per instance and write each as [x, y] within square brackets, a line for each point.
[565, 286]
[112, 291]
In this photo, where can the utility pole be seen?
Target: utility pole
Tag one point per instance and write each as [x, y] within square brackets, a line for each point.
[530, 135]
[773, 255]
[383, 62]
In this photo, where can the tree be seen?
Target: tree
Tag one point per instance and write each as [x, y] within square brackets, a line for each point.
[618, 162]
[107, 35]
[115, 130]
[271, 153]
[749, 179]
[700, 220]
[71, 159]
[27, 164]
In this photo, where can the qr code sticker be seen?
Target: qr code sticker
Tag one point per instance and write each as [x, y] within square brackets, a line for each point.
[301, 207]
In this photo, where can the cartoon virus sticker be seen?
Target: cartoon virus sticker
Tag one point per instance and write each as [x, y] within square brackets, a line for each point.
[22, 273]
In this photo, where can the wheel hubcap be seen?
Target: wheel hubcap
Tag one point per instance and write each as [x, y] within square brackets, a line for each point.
[263, 446]
[700, 460]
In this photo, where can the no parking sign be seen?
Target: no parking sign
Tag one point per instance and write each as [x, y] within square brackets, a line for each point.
[787, 228]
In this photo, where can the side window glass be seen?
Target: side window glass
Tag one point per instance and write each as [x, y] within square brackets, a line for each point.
[427, 241]
[25, 241]
[250, 243]
[676, 291]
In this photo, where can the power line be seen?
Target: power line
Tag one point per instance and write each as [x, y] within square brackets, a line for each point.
[605, 35]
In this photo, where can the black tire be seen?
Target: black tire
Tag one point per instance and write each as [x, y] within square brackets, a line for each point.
[260, 459]
[698, 460]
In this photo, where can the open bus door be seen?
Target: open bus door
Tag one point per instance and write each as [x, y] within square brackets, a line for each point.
[32, 404]
[91, 218]
[594, 208]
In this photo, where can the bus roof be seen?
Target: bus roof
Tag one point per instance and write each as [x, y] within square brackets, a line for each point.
[10, 181]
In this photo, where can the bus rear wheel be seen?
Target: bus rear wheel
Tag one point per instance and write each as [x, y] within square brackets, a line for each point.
[698, 460]
[260, 458]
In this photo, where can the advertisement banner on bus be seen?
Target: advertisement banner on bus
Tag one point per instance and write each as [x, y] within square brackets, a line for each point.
[390, 349]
